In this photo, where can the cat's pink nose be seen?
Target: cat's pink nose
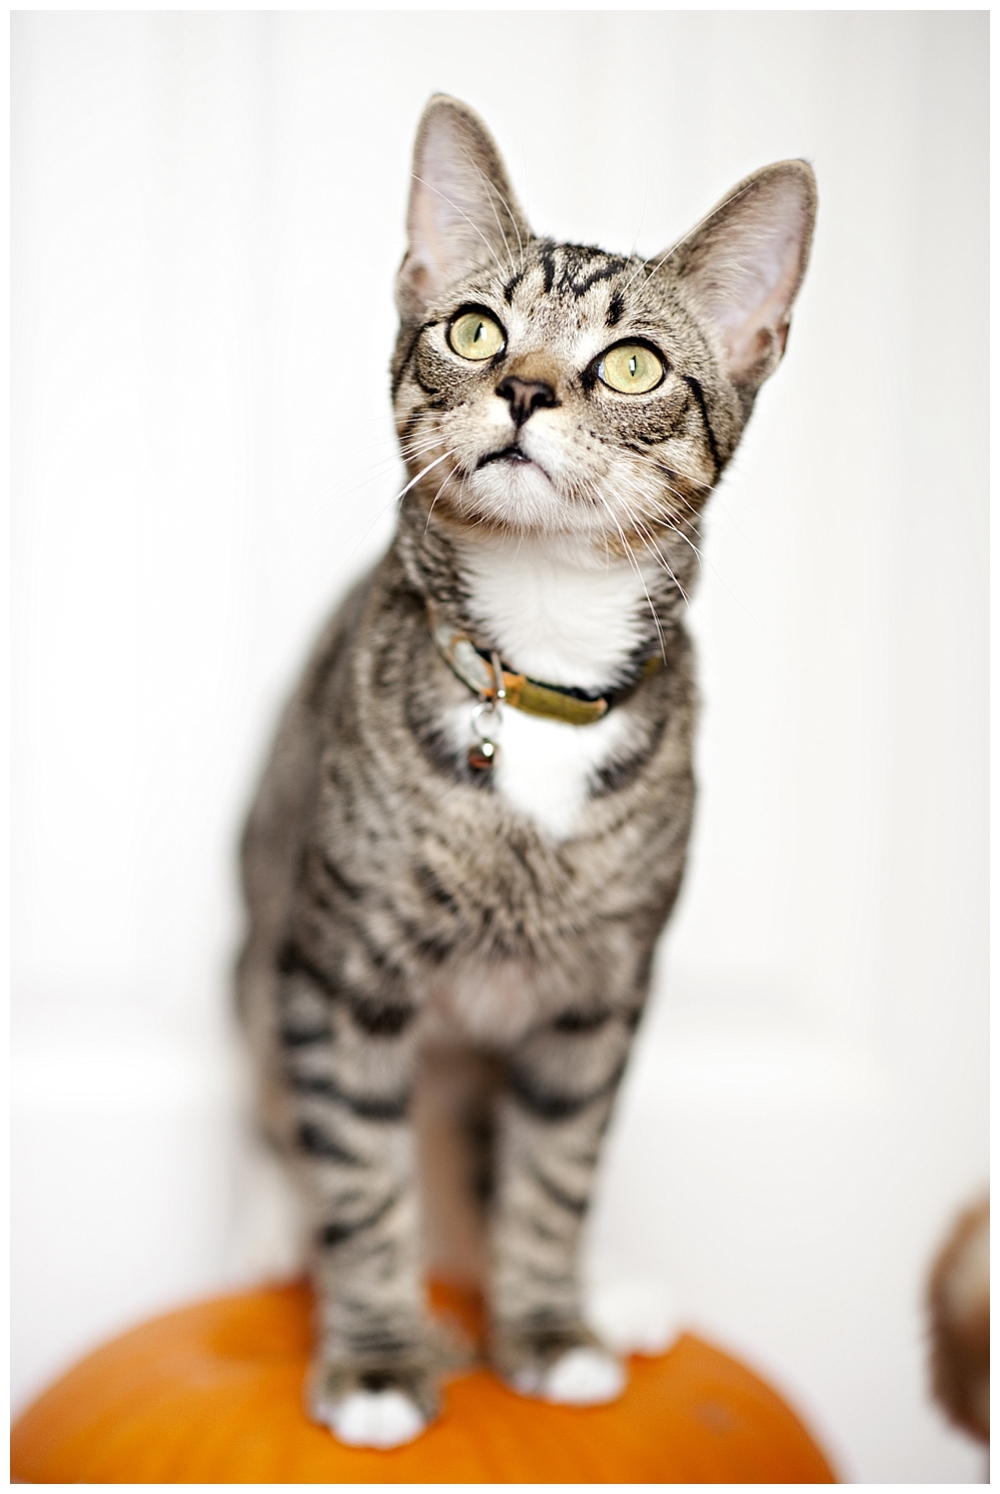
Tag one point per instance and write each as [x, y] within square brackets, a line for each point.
[526, 396]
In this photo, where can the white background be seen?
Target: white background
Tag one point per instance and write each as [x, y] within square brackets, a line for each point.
[207, 215]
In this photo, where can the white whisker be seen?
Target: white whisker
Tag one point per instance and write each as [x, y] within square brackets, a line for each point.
[650, 545]
[492, 188]
[636, 567]
[444, 196]
[661, 260]
[429, 468]
[437, 495]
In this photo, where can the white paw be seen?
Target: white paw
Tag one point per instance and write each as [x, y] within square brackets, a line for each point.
[583, 1377]
[633, 1316]
[376, 1418]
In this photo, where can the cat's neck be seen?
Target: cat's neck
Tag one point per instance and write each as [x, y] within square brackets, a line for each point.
[557, 612]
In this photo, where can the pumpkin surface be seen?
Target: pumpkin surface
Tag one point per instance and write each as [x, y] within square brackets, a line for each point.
[213, 1394]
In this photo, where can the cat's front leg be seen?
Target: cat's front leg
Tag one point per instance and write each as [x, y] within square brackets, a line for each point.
[561, 1083]
[349, 1053]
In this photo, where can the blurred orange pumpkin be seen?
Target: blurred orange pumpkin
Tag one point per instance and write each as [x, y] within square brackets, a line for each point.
[213, 1394]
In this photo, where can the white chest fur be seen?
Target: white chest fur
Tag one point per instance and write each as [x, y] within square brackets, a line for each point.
[566, 619]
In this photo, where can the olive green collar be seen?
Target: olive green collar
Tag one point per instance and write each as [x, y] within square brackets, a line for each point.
[487, 676]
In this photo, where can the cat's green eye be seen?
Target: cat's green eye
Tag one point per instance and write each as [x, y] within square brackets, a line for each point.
[631, 368]
[476, 335]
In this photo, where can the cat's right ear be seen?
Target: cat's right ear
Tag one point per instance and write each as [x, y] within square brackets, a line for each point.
[462, 210]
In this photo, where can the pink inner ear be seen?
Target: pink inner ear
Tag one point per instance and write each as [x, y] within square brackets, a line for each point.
[444, 207]
[426, 238]
[432, 216]
[761, 318]
[442, 155]
[750, 277]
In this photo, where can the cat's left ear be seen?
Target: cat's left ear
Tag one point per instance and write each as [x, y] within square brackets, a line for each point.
[744, 264]
[462, 210]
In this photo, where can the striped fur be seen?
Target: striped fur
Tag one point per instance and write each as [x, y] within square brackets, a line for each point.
[407, 910]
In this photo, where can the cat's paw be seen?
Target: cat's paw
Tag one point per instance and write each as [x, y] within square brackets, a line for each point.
[584, 1377]
[634, 1315]
[580, 1377]
[375, 1418]
[569, 1367]
[369, 1406]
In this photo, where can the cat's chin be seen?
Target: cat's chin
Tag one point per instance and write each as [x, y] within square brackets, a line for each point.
[520, 496]
[506, 483]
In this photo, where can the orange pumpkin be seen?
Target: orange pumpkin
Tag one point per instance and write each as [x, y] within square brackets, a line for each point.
[213, 1394]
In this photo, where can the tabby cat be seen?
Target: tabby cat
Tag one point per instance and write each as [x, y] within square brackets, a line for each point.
[474, 821]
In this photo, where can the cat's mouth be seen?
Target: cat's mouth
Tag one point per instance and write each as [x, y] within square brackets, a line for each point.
[512, 453]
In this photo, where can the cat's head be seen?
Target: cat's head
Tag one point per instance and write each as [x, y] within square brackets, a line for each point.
[552, 389]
